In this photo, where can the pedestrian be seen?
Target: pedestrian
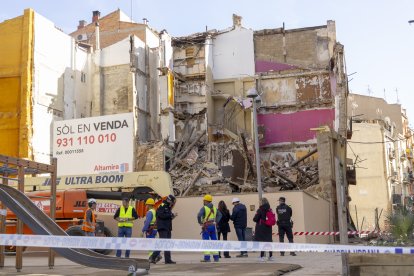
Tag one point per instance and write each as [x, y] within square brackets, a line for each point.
[223, 227]
[164, 226]
[150, 227]
[125, 215]
[239, 218]
[89, 219]
[207, 217]
[284, 223]
[263, 229]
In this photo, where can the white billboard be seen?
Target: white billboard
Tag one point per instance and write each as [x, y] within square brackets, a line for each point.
[94, 145]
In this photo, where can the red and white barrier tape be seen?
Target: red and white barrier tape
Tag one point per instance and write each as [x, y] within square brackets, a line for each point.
[332, 233]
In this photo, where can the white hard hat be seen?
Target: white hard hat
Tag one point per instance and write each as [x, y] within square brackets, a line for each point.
[236, 199]
[91, 200]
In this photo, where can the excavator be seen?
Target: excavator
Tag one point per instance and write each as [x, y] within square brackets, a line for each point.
[73, 193]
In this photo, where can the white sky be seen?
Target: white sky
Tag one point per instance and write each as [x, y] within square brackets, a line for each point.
[379, 42]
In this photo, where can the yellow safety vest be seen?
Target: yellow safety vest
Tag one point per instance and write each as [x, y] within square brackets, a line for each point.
[212, 216]
[153, 217]
[127, 214]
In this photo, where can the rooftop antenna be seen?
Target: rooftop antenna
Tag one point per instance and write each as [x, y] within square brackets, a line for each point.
[396, 92]
[369, 91]
[131, 11]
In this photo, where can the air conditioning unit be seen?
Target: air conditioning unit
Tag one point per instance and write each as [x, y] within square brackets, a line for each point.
[82, 37]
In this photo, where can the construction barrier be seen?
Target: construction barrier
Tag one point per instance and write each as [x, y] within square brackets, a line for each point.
[333, 233]
[140, 244]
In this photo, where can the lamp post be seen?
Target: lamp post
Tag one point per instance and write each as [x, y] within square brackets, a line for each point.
[252, 93]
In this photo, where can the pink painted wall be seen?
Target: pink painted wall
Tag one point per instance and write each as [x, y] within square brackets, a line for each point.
[294, 127]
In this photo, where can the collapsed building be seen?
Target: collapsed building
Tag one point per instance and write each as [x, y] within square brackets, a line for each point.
[300, 77]
[188, 95]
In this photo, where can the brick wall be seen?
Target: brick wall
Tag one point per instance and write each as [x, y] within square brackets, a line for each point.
[305, 48]
[111, 30]
[150, 157]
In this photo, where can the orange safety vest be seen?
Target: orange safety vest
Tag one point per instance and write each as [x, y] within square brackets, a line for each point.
[86, 226]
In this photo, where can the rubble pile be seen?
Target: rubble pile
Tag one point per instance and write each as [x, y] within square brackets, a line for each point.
[227, 167]
[283, 176]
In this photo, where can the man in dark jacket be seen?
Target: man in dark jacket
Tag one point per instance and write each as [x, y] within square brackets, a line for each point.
[284, 223]
[239, 218]
[164, 226]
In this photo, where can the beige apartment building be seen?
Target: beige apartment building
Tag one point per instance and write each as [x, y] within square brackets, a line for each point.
[381, 147]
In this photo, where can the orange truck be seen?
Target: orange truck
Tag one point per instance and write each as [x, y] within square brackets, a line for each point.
[72, 198]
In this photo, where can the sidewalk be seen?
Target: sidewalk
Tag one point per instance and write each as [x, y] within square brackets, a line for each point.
[35, 263]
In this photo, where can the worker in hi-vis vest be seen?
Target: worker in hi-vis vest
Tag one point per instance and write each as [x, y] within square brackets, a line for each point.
[125, 215]
[150, 226]
[207, 217]
[89, 219]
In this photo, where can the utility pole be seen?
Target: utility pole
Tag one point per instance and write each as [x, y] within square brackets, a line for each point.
[341, 194]
[254, 95]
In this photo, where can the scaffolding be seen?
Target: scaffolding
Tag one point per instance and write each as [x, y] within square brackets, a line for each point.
[15, 169]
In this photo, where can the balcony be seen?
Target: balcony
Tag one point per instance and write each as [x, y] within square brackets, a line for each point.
[408, 178]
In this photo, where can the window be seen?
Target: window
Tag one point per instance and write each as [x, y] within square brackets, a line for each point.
[83, 77]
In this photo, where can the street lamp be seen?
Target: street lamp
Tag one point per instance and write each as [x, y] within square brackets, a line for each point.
[252, 93]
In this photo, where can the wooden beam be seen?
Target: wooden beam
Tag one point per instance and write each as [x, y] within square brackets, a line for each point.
[53, 206]
[249, 161]
[303, 158]
[187, 150]
[192, 183]
[26, 163]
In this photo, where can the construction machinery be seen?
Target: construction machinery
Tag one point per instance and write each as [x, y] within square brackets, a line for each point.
[73, 193]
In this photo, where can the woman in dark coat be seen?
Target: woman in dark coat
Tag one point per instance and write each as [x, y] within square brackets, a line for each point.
[263, 233]
[223, 226]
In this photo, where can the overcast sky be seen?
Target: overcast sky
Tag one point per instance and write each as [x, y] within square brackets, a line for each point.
[379, 42]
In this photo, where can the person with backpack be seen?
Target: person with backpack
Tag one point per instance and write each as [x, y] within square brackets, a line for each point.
[284, 223]
[207, 217]
[265, 219]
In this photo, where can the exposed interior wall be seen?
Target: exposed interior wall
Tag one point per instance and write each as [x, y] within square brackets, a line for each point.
[191, 90]
[16, 70]
[279, 49]
[372, 189]
[116, 89]
[233, 54]
[294, 127]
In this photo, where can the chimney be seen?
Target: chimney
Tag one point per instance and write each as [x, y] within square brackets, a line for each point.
[145, 21]
[82, 23]
[237, 20]
[95, 16]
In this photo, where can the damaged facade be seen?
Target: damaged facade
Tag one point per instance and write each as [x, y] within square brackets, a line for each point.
[188, 96]
[296, 73]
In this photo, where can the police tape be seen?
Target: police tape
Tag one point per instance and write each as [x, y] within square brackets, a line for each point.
[321, 233]
[184, 245]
